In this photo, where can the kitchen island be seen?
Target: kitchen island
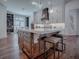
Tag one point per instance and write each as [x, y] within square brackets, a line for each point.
[33, 43]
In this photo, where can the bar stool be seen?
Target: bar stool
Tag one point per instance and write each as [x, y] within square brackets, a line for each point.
[61, 41]
[55, 45]
[45, 48]
[58, 44]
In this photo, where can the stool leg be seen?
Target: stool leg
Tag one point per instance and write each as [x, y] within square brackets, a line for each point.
[54, 52]
[39, 46]
[62, 43]
[58, 55]
[45, 55]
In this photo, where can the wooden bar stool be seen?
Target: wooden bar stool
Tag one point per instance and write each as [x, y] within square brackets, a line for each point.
[55, 46]
[45, 40]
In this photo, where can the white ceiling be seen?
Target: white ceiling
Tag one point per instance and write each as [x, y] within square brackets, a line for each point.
[66, 1]
[23, 7]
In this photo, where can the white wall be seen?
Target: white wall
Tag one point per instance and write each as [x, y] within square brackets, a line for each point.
[77, 22]
[58, 11]
[58, 15]
[69, 7]
[2, 21]
[31, 20]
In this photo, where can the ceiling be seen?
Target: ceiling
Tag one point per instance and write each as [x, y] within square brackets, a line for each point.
[23, 7]
[66, 1]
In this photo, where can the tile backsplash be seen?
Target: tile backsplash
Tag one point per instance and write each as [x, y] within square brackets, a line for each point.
[49, 27]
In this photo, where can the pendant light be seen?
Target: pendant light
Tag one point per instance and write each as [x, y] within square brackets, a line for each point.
[51, 10]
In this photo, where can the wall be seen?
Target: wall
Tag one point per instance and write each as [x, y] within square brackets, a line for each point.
[31, 20]
[69, 7]
[58, 15]
[77, 22]
[58, 11]
[2, 21]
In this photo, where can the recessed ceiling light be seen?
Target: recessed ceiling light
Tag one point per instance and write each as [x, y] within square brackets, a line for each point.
[34, 3]
[23, 9]
[5, 0]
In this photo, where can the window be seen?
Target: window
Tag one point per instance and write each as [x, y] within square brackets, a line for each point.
[19, 22]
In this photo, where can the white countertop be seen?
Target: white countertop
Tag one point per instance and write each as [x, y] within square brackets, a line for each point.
[37, 32]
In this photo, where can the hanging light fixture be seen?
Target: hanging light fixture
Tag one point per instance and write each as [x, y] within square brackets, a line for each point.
[38, 4]
[51, 10]
[34, 3]
[5, 0]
